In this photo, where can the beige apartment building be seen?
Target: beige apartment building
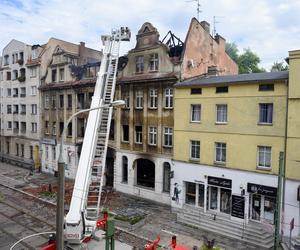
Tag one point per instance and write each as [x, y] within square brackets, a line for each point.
[144, 127]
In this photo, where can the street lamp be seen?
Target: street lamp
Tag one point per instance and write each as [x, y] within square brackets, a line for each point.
[60, 211]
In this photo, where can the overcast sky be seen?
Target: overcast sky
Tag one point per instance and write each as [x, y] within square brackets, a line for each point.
[268, 27]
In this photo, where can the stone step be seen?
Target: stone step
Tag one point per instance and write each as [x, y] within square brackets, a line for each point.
[263, 244]
[242, 232]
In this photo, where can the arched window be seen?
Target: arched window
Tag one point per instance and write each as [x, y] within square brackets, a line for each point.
[166, 177]
[145, 173]
[124, 169]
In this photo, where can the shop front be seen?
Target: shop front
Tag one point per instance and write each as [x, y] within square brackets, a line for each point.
[262, 201]
[219, 194]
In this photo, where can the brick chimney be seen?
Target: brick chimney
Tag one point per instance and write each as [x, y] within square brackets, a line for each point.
[212, 71]
[205, 26]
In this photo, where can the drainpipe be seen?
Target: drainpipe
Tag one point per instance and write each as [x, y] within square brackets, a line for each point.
[285, 144]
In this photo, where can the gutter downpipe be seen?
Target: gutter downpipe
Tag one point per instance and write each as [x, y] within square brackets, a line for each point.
[285, 146]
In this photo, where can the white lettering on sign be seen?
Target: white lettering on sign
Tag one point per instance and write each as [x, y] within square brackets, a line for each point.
[72, 236]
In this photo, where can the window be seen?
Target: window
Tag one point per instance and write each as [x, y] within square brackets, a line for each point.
[152, 135]
[54, 128]
[138, 134]
[168, 137]
[80, 101]
[220, 152]
[23, 127]
[46, 127]
[166, 177]
[266, 113]
[223, 89]
[47, 152]
[125, 133]
[196, 91]
[124, 169]
[139, 64]
[33, 72]
[23, 92]
[153, 63]
[54, 102]
[15, 109]
[33, 109]
[61, 127]
[31, 152]
[169, 98]
[46, 101]
[1, 76]
[8, 75]
[153, 98]
[34, 127]
[195, 150]
[264, 157]
[16, 125]
[61, 74]
[9, 125]
[139, 99]
[22, 150]
[15, 92]
[53, 153]
[23, 109]
[69, 129]
[9, 92]
[33, 90]
[6, 60]
[15, 75]
[190, 193]
[221, 113]
[34, 53]
[17, 149]
[127, 100]
[69, 101]
[61, 101]
[8, 109]
[53, 75]
[7, 147]
[266, 87]
[195, 113]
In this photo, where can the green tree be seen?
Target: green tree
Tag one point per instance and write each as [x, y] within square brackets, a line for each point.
[248, 62]
[279, 66]
[232, 50]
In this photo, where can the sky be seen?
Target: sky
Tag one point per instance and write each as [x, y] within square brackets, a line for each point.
[270, 28]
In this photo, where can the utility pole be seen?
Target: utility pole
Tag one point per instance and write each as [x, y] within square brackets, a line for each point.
[278, 203]
[60, 200]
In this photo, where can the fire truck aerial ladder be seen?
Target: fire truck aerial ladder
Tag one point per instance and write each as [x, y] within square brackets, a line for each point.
[84, 211]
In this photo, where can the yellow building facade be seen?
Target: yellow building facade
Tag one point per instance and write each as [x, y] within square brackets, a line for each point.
[228, 135]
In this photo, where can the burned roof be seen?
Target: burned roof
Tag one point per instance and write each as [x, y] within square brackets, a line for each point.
[231, 79]
[174, 44]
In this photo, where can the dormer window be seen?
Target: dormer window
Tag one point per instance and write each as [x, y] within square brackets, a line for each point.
[153, 63]
[34, 54]
[139, 64]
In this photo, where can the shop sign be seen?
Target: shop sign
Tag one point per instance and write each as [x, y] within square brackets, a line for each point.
[48, 141]
[238, 206]
[220, 182]
[261, 189]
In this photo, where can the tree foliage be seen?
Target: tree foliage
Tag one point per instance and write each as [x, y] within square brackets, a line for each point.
[279, 66]
[247, 61]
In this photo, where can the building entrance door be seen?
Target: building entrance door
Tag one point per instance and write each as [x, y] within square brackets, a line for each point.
[256, 207]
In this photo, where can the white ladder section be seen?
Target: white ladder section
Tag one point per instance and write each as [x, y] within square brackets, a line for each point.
[86, 198]
[98, 167]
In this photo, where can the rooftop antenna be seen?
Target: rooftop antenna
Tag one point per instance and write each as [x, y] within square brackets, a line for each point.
[215, 22]
[198, 7]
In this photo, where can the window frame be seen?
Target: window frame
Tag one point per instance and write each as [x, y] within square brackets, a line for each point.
[138, 134]
[153, 62]
[264, 167]
[168, 98]
[192, 112]
[139, 64]
[216, 147]
[270, 104]
[169, 135]
[152, 136]
[153, 98]
[139, 99]
[221, 105]
[192, 151]
[123, 140]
